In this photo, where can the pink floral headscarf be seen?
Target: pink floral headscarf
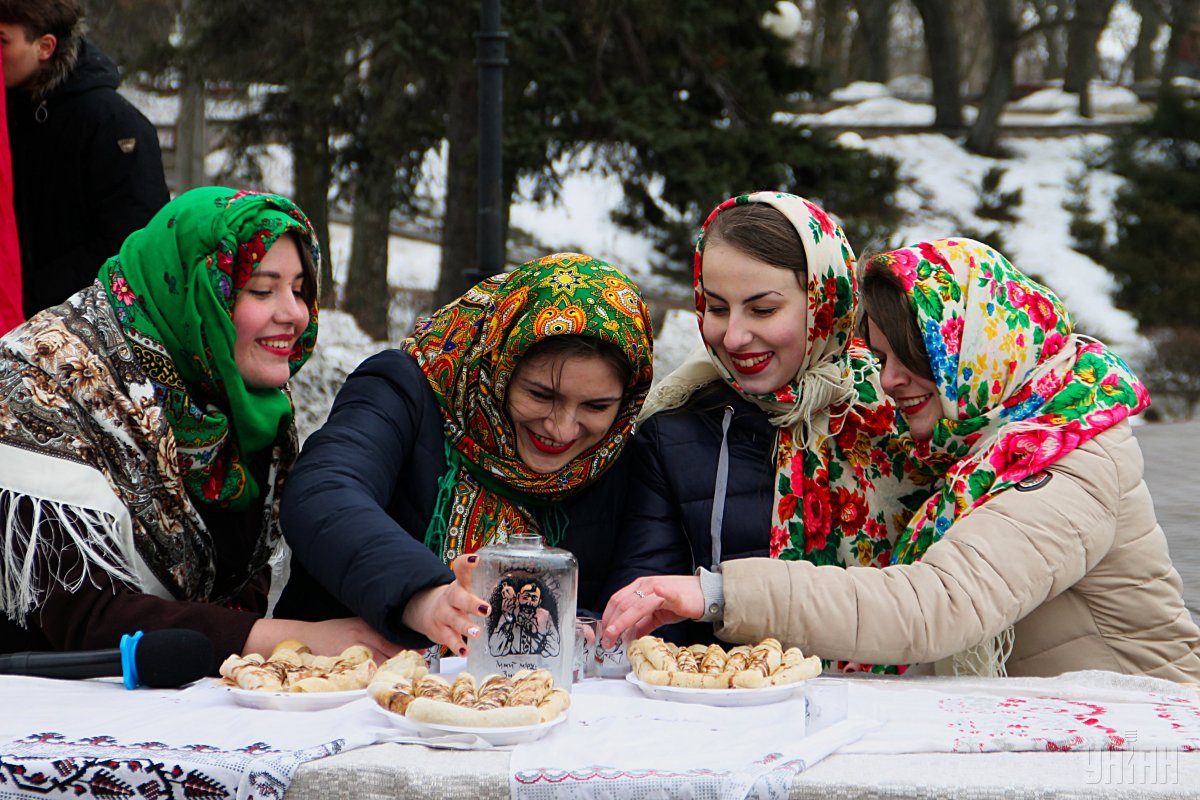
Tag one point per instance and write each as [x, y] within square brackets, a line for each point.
[1019, 390]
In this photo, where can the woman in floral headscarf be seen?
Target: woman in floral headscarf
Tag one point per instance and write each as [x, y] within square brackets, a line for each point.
[506, 411]
[1038, 552]
[775, 440]
[145, 431]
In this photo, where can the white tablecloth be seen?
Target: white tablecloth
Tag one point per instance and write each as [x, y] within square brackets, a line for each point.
[1095, 733]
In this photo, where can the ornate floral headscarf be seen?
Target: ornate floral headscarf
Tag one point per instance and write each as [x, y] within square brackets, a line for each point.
[841, 493]
[173, 287]
[1019, 390]
[469, 350]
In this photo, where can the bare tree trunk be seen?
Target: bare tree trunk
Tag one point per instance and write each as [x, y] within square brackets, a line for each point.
[941, 44]
[367, 296]
[1002, 26]
[191, 139]
[833, 52]
[312, 172]
[875, 26]
[1048, 11]
[1143, 50]
[1083, 32]
[460, 222]
[1184, 14]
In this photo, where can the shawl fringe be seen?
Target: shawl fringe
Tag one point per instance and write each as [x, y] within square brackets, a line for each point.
[27, 541]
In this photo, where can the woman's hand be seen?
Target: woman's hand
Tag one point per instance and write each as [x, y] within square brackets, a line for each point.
[327, 638]
[446, 614]
[649, 603]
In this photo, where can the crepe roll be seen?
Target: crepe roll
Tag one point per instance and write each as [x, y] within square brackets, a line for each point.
[808, 668]
[462, 691]
[698, 680]
[553, 704]
[431, 687]
[713, 661]
[531, 689]
[423, 709]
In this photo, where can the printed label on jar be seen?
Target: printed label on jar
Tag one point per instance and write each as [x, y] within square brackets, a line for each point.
[523, 628]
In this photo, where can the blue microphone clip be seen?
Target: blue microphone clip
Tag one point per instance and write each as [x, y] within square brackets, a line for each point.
[129, 671]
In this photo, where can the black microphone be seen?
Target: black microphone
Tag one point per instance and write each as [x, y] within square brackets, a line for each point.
[165, 659]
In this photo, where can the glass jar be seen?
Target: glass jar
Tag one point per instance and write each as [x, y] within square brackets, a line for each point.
[531, 589]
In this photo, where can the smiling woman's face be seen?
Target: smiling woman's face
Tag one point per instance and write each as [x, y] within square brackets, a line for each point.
[269, 315]
[560, 406]
[916, 397]
[755, 318]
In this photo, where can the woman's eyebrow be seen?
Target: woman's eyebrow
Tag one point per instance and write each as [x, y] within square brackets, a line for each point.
[749, 299]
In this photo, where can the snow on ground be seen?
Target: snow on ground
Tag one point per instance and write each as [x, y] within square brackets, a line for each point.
[911, 87]
[940, 197]
[1106, 99]
[882, 106]
[859, 90]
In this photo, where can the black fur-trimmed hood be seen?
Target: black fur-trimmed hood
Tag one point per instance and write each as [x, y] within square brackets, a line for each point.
[83, 69]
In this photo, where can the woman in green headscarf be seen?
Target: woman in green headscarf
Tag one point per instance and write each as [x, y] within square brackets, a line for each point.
[504, 412]
[145, 433]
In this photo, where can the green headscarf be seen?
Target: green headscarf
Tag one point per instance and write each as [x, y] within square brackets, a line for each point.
[173, 287]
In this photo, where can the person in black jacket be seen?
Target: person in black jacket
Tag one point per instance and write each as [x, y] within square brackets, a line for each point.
[87, 169]
[775, 441]
[506, 411]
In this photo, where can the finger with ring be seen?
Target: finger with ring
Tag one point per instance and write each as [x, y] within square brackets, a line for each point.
[639, 593]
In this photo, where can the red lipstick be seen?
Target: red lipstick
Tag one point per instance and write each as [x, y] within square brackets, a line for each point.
[545, 448]
[755, 368]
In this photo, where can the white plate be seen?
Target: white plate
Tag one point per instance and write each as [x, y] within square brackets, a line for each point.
[718, 697]
[497, 737]
[292, 701]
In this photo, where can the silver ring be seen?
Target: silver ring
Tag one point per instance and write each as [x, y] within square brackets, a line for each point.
[638, 592]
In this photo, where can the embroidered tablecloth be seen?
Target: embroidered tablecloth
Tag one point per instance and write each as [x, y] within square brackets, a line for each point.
[94, 739]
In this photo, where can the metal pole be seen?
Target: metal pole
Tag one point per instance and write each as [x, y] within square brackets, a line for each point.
[490, 58]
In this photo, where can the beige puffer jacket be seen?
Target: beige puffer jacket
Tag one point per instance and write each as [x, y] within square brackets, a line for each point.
[1076, 560]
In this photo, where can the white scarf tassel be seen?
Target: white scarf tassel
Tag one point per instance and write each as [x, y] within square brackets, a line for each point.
[92, 532]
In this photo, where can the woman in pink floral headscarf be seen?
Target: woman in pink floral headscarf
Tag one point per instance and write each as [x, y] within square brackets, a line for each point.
[1038, 551]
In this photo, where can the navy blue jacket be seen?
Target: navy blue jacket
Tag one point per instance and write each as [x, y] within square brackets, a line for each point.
[668, 513]
[358, 503]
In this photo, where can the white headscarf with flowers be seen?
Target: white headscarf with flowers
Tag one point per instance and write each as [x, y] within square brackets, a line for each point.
[839, 484]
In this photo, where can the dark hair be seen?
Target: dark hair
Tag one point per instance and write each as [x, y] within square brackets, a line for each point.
[40, 17]
[568, 346]
[886, 304]
[762, 232]
[309, 268]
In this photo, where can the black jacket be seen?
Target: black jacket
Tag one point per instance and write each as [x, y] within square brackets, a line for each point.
[357, 505]
[668, 513]
[87, 172]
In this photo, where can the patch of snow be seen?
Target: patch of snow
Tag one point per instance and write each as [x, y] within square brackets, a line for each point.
[859, 90]
[940, 199]
[876, 111]
[911, 87]
[1106, 99]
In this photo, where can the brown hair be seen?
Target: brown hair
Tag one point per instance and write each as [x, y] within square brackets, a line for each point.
[572, 346]
[39, 17]
[309, 268]
[885, 303]
[761, 231]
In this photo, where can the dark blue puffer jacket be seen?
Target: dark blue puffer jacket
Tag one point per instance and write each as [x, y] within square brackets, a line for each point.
[668, 518]
[363, 491]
